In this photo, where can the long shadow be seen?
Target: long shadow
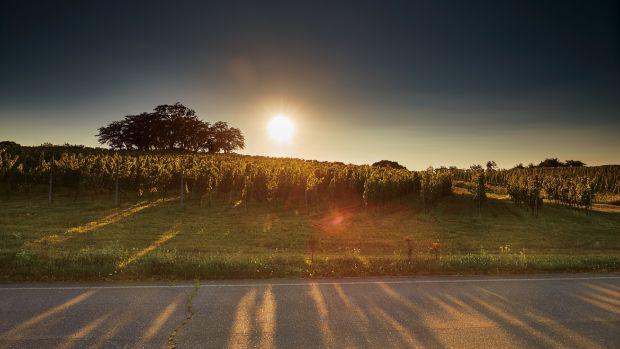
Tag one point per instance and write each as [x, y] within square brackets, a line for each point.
[530, 324]
[357, 317]
[82, 334]
[297, 320]
[159, 326]
[154, 315]
[70, 233]
[327, 335]
[514, 327]
[163, 239]
[589, 302]
[46, 317]
[554, 328]
[243, 317]
[407, 315]
[119, 320]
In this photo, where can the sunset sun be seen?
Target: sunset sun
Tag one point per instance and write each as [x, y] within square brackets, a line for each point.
[281, 129]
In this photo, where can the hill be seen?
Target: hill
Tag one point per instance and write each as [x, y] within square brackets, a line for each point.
[93, 239]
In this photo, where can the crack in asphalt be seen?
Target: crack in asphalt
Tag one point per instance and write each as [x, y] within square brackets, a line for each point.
[189, 314]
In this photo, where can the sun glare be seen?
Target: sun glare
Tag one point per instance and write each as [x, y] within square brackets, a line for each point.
[281, 129]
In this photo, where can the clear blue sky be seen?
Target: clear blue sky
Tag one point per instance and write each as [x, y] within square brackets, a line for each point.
[420, 82]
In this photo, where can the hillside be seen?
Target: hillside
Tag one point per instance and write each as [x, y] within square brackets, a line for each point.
[92, 239]
[77, 213]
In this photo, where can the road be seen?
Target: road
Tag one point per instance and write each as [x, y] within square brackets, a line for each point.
[571, 311]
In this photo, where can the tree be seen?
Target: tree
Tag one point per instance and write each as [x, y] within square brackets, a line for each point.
[552, 162]
[491, 165]
[170, 127]
[9, 145]
[113, 136]
[574, 163]
[176, 123]
[390, 164]
[224, 138]
[142, 131]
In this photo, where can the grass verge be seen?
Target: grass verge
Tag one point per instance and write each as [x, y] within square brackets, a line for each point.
[103, 265]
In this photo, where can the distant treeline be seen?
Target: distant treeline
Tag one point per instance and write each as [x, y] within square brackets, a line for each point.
[554, 162]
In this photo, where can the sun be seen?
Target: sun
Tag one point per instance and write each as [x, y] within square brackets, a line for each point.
[281, 129]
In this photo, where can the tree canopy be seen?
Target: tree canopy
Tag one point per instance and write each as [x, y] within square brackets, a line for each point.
[388, 163]
[554, 162]
[171, 127]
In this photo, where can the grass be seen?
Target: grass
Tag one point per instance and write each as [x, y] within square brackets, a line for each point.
[90, 239]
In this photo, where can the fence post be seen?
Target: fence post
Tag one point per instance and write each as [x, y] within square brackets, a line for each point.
[116, 202]
[182, 189]
[50, 195]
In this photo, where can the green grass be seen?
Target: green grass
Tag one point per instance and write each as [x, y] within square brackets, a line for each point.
[91, 239]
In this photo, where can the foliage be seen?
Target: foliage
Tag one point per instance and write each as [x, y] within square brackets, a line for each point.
[170, 127]
[603, 179]
[434, 186]
[554, 162]
[571, 193]
[238, 178]
[551, 162]
[389, 163]
[527, 193]
[479, 191]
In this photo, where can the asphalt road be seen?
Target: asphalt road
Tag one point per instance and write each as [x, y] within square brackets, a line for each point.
[570, 311]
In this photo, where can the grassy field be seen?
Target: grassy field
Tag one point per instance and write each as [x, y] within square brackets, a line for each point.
[91, 239]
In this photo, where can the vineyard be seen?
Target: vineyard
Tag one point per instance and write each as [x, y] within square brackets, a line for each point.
[602, 179]
[201, 177]
[78, 213]
[244, 180]
[528, 187]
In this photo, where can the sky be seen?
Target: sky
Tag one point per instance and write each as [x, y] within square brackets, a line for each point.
[424, 83]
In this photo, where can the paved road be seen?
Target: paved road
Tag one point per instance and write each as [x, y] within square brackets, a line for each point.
[522, 311]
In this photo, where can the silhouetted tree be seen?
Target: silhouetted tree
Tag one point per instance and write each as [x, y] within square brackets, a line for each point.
[476, 168]
[552, 162]
[176, 123]
[491, 165]
[574, 163]
[224, 138]
[171, 127]
[113, 136]
[390, 164]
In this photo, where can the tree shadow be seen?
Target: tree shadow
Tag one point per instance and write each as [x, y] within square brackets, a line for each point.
[43, 319]
[115, 217]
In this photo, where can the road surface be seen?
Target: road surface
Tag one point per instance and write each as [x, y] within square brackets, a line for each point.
[571, 311]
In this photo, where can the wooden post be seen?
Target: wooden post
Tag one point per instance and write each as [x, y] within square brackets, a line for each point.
[182, 189]
[50, 195]
[116, 202]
